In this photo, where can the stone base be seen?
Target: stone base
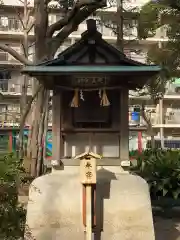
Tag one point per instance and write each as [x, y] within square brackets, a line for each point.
[123, 206]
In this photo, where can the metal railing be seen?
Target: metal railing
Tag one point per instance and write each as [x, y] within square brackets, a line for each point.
[173, 89]
[173, 118]
[3, 56]
[10, 24]
[13, 25]
[168, 143]
[7, 58]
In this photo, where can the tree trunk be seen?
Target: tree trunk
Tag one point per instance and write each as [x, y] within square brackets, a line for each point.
[45, 129]
[41, 49]
[40, 144]
[29, 149]
[42, 129]
[23, 100]
[26, 110]
[149, 126]
[153, 144]
[35, 131]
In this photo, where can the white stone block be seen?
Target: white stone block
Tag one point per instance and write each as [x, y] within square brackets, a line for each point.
[123, 206]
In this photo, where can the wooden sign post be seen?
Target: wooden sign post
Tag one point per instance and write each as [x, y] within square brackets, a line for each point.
[88, 169]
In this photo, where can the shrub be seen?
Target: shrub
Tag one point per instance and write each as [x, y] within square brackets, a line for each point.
[161, 169]
[133, 154]
[12, 215]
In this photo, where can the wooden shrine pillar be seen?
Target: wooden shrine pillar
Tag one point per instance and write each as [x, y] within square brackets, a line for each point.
[57, 143]
[124, 125]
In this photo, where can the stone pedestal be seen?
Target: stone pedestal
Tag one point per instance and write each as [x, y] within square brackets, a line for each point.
[123, 206]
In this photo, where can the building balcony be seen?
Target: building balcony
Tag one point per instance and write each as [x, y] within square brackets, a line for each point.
[167, 97]
[171, 118]
[11, 26]
[11, 88]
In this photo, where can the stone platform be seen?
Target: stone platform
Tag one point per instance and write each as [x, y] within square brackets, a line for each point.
[123, 206]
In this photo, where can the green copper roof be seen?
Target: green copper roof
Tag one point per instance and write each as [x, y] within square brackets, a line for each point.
[64, 70]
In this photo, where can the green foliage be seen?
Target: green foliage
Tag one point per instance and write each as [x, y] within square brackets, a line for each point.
[153, 16]
[174, 4]
[148, 19]
[12, 215]
[133, 153]
[164, 14]
[157, 86]
[161, 169]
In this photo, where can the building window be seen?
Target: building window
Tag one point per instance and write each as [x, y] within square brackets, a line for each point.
[4, 79]
[9, 23]
[5, 74]
[4, 21]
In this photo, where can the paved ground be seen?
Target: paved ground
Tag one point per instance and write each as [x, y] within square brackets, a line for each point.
[167, 229]
[23, 200]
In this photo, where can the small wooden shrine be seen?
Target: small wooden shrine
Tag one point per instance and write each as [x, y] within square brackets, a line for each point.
[90, 82]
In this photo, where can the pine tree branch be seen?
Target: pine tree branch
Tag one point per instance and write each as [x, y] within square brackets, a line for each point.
[20, 18]
[29, 12]
[31, 25]
[47, 1]
[174, 5]
[80, 16]
[28, 107]
[32, 45]
[21, 1]
[15, 54]
[69, 16]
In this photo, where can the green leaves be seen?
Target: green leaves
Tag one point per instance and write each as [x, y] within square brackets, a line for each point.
[161, 169]
[12, 215]
[162, 17]
[175, 4]
[149, 19]
[176, 193]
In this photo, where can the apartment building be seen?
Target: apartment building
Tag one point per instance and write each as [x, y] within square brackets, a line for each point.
[11, 33]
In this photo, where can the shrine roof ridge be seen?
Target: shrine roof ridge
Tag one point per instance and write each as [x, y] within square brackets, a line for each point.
[93, 55]
[91, 43]
[66, 70]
